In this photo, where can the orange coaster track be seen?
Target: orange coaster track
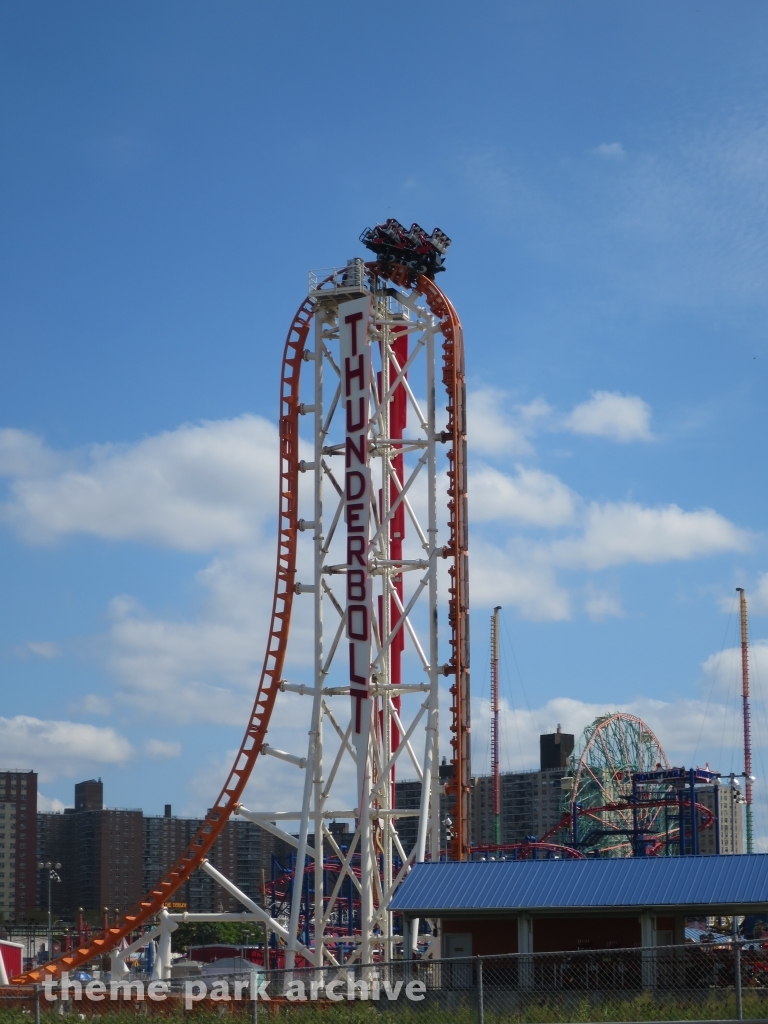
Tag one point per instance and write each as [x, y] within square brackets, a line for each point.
[285, 580]
[459, 787]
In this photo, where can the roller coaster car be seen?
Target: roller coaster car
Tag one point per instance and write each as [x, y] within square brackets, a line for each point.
[412, 248]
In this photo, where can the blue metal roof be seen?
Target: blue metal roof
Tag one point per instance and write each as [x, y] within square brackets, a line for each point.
[703, 882]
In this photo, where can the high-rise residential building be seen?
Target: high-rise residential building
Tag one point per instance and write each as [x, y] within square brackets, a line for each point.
[555, 748]
[408, 798]
[532, 804]
[18, 843]
[529, 805]
[110, 857]
[99, 849]
[89, 795]
[529, 801]
[730, 813]
[256, 850]
[243, 853]
[165, 839]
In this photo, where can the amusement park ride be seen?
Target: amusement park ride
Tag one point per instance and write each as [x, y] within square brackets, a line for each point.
[365, 355]
[622, 798]
[373, 366]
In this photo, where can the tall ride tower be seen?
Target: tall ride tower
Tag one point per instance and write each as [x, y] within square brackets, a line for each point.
[373, 514]
[380, 440]
[746, 712]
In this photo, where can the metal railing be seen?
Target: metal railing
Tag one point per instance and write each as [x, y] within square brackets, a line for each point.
[672, 983]
[333, 279]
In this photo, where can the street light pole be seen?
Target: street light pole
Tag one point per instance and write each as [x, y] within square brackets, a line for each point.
[52, 869]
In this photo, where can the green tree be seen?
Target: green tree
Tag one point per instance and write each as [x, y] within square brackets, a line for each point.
[209, 933]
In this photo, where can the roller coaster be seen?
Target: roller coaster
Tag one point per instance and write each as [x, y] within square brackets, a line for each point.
[363, 359]
[622, 798]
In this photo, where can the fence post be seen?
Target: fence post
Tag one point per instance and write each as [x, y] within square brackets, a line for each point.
[37, 1003]
[737, 971]
[648, 951]
[525, 946]
[480, 1007]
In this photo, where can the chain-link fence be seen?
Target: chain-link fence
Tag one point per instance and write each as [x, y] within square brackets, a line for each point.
[667, 983]
[672, 983]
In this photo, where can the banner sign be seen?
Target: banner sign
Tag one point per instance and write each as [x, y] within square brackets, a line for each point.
[355, 354]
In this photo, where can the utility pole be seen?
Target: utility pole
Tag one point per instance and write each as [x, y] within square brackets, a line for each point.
[745, 711]
[495, 725]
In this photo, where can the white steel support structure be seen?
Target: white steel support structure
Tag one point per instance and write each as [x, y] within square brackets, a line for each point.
[374, 710]
[371, 723]
[368, 723]
[393, 733]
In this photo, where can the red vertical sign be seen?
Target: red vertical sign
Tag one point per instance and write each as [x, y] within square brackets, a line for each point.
[355, 354]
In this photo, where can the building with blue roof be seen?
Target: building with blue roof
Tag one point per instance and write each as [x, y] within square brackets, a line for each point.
[526, 906]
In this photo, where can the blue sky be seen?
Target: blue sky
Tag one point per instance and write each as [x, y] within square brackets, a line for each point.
[170, 174]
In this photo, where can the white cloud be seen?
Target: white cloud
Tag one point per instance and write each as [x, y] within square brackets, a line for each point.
[274, 783]
[688, 730]
[725, 667]
[520, 728]
[206, 668]
[531, 496]
[44, 649]
[519, 572]
[610, 151]
[698, 204]
[49, 805]
[195, 488]
[601, 605]
[207, 486]
[24, 454]
[213, 485]
[617, 534]
[609, 414]
[494, 430]
[682, 227]
[509, 577]
[497, 428]
[182, 670]
[758, 598]
[59, 748]
[201, 669]
[96, 705]
[162, 748]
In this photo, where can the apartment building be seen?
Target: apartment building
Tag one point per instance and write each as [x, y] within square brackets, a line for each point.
[110, 857]
[18, 842]
[99, 849]
[730, 808]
